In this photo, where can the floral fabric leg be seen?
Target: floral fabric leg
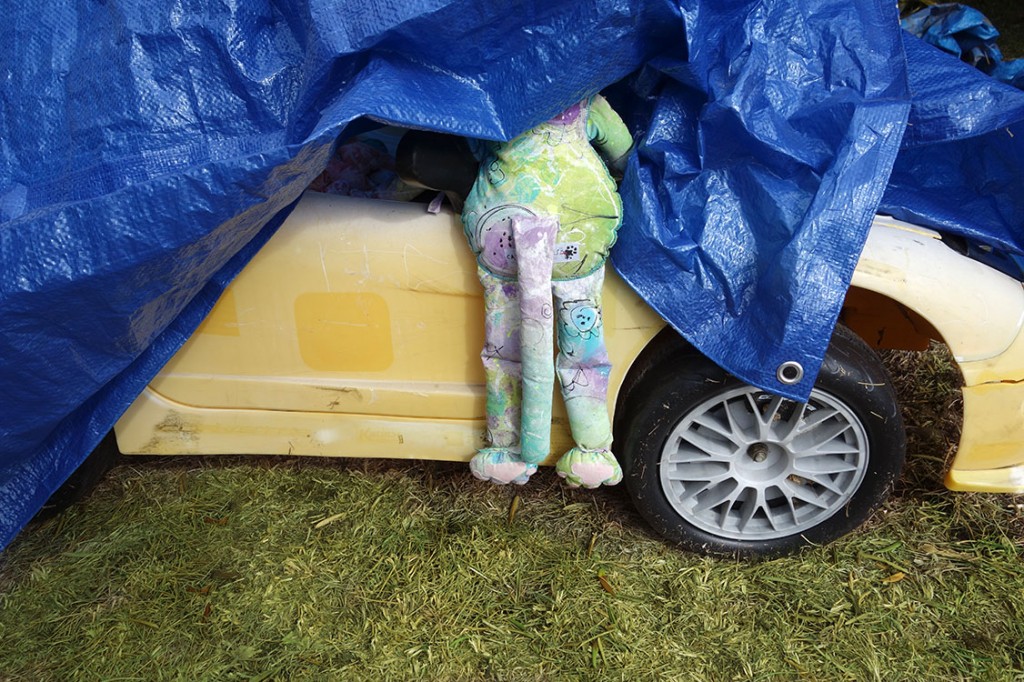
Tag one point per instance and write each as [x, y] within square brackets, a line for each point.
[583, 369]
[500, 462]
[534, 248]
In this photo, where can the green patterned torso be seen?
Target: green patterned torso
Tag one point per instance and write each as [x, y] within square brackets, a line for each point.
[550, 170]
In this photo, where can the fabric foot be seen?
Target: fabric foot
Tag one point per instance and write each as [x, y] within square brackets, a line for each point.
[501, 466]
[589, 468]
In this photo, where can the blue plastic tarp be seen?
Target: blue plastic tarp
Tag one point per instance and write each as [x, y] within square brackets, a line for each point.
[765, 156]
[961, 166]
[966, 33]
[148, 149]
[760, 169]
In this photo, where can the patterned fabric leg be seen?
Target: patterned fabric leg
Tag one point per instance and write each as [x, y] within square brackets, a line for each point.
[583, 369]
[500, 461]
[534, 248]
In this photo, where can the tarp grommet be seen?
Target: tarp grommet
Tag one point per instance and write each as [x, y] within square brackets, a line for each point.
[790, 373]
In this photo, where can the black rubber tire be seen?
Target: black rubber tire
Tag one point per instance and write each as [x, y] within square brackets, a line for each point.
[851, 374]
[82, 481]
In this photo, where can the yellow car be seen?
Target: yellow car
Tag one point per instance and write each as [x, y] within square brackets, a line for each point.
[356, 332]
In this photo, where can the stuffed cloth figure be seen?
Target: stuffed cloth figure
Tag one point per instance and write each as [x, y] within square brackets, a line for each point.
[541, 218]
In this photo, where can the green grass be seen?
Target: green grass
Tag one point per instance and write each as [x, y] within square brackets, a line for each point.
[249, 569]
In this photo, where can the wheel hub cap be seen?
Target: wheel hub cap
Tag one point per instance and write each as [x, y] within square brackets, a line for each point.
[748, 465]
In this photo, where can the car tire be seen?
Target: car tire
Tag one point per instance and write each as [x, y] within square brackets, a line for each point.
[721, 467]
[83, 479]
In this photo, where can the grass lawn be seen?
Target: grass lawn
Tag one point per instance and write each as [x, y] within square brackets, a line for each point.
[262, 568]
[286, 568]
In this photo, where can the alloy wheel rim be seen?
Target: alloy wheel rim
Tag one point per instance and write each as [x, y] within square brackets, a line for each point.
[749, 465]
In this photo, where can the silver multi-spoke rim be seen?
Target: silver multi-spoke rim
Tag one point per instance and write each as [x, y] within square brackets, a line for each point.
[748, 465]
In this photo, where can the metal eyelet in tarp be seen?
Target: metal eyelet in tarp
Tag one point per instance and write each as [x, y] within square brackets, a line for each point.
[147, 150]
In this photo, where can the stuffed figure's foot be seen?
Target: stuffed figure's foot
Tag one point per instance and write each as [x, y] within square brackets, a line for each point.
[589, 468]
[501, 466]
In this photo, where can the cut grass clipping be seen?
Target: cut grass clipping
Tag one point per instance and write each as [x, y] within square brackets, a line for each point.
[259, 569]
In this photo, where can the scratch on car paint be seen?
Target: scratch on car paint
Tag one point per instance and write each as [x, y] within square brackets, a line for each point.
[323, 266]
[409, 247]
[343, 390]
[420, 285]
[440, 287]
[408, 274]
